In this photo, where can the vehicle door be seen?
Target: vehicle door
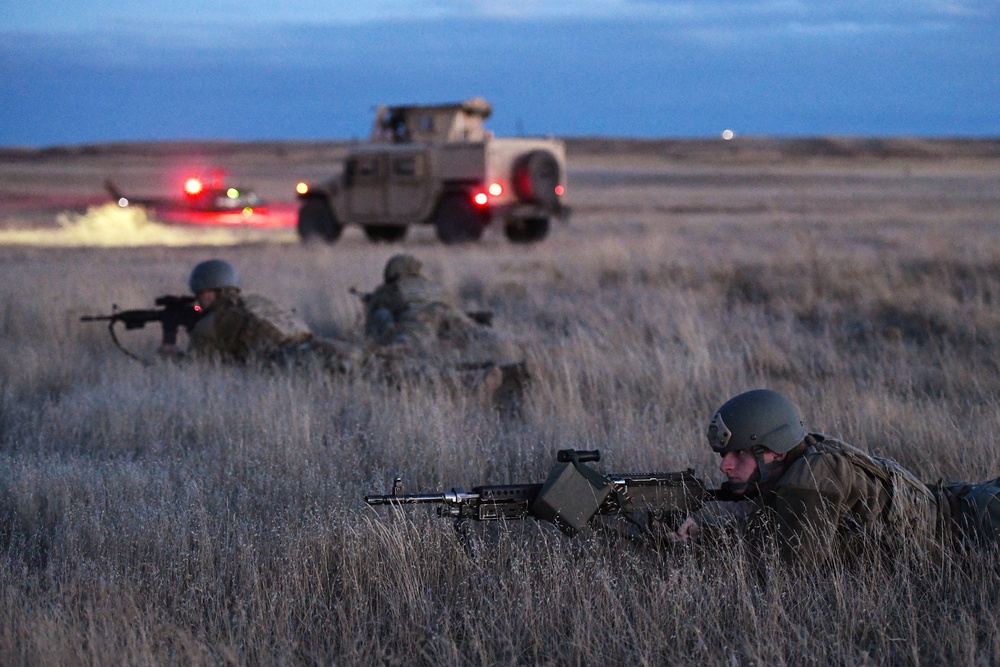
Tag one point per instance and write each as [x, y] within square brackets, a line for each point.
[409, 186]
[365, 184]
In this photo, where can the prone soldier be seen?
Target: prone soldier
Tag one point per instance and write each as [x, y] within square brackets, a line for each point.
[409, 317]
[809, 495]
[240, 328]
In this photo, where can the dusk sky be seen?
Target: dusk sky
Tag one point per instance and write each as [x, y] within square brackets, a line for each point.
[148, 70]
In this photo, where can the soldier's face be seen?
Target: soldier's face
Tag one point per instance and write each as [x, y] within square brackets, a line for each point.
[740, 466]
[205, 298]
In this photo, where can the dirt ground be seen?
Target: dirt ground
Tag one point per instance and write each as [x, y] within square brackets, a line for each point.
[612, 182]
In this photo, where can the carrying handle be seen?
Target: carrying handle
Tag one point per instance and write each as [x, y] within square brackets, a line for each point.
[578, 455]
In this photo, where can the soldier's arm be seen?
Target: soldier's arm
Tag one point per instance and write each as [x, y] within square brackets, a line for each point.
[386, 297]
[711, 521]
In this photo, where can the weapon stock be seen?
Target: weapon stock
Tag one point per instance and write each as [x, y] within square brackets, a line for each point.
[571, 498]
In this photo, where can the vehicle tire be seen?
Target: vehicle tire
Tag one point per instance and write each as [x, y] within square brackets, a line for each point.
[317, 221]
[385, 233]
[528, 230]
[536, 176]
[457, 220]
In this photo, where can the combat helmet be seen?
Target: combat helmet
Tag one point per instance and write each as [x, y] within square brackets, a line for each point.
[402, 266]
[213, 274]
[756, 420]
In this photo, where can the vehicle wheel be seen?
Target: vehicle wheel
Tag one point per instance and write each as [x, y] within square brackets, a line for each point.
[385, 233]
[529, 230]
[317, 222]
[457, 220]
[536, 176]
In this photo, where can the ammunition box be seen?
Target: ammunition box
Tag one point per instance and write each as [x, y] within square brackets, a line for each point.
[568, 499]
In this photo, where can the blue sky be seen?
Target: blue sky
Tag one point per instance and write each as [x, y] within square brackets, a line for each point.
[74, 73]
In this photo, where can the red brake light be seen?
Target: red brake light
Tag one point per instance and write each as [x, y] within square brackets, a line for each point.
[559, 190]
[193, 186]
[480, 198]
[496, 189]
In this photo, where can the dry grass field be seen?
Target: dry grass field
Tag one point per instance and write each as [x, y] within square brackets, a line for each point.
[193, 515]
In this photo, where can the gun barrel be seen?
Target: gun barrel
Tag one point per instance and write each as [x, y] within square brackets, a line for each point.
[452, 497]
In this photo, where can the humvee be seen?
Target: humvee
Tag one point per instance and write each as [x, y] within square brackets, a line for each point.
[438, 165]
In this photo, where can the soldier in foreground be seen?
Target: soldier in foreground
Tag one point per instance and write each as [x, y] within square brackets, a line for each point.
[808, 495]
[805, 497]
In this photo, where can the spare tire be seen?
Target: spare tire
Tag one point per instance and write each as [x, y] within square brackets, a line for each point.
[536, 176]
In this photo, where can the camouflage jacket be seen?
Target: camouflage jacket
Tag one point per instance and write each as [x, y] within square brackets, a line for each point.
[414, 315]
[834, 499]
[241, 328]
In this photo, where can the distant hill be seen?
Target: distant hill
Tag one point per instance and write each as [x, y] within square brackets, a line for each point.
[740, 149]
[763, 149]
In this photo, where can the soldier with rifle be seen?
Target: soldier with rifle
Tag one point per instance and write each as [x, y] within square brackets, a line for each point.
[806, 497]
[222, 322]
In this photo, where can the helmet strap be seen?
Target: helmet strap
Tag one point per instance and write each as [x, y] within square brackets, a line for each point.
[765, 471]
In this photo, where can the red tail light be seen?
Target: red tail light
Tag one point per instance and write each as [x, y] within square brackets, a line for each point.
[559, 190]
[481, 198]
[496, 189]
[193, 186]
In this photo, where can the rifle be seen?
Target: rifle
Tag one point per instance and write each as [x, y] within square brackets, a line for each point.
[572, 497]
[174, 312]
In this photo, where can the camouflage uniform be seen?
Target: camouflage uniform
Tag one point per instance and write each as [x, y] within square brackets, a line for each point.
[416, 327]
[238, 328]
[242, 328]
[833, 499]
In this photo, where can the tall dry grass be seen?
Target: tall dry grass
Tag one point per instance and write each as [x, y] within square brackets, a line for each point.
[182, 514]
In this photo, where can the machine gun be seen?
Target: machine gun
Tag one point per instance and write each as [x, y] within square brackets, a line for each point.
[572, 497]
[173, 313]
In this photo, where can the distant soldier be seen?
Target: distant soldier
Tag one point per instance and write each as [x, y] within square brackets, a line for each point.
[242, 328]
[809, 496]
[409, 316]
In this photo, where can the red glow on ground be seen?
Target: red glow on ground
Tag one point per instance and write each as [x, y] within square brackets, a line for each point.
[274, 216]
